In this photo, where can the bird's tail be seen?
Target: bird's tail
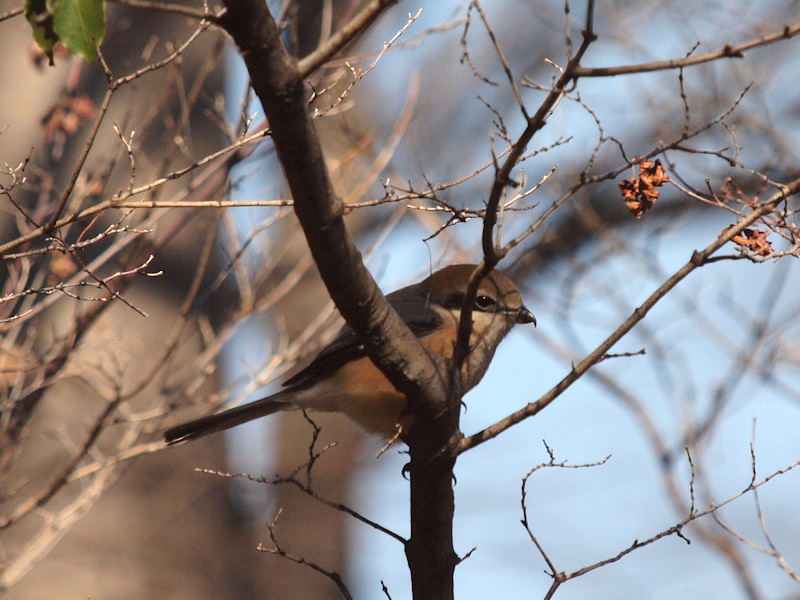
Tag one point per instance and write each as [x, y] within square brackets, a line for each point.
[226, 419]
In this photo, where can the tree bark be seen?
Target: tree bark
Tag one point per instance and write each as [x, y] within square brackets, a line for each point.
[430, 554]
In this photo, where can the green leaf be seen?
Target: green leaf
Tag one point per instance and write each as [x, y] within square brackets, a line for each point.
[79, 25]
[41, 19]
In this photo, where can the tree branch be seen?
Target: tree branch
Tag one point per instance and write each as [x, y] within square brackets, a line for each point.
[698, 259]
[277, 81]
[357, 25]
[727, 51]
[423, 378]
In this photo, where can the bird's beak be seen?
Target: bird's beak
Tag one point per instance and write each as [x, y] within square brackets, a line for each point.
[525, 316]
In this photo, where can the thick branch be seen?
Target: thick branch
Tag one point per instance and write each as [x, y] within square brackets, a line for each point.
[277, 81]
[429, 550]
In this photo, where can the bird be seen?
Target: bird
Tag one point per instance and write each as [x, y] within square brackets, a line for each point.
[342, 378]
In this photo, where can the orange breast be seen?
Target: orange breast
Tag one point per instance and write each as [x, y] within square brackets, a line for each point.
[360, 391]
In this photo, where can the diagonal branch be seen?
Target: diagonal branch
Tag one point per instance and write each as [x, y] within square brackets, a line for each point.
[420, 376]
[727, 51]
[366, 17]
[278, 82]
[698, 259]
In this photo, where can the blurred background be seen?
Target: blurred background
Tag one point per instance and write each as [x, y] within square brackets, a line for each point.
[94, 506]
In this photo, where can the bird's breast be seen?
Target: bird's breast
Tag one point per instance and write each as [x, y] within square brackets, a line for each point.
[360, 391]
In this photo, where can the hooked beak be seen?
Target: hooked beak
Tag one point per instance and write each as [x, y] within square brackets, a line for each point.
[525, 316]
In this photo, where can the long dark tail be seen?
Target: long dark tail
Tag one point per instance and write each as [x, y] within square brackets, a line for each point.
[226, 419]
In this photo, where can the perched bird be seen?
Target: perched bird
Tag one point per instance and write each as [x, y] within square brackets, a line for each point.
[343, 379]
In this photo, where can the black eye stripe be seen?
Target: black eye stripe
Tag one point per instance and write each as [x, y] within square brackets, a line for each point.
[454, 300]
[483, 302]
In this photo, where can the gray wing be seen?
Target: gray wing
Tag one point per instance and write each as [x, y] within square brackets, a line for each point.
[346, 347]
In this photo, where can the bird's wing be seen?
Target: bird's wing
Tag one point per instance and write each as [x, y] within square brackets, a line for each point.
[346, 346]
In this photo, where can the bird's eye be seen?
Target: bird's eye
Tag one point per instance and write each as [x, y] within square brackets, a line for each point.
[485, 303]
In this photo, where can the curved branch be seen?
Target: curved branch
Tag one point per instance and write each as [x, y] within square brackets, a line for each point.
[493, 252]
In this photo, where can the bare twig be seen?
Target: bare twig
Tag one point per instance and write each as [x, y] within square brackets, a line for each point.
[300, 560]
[728, 51]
